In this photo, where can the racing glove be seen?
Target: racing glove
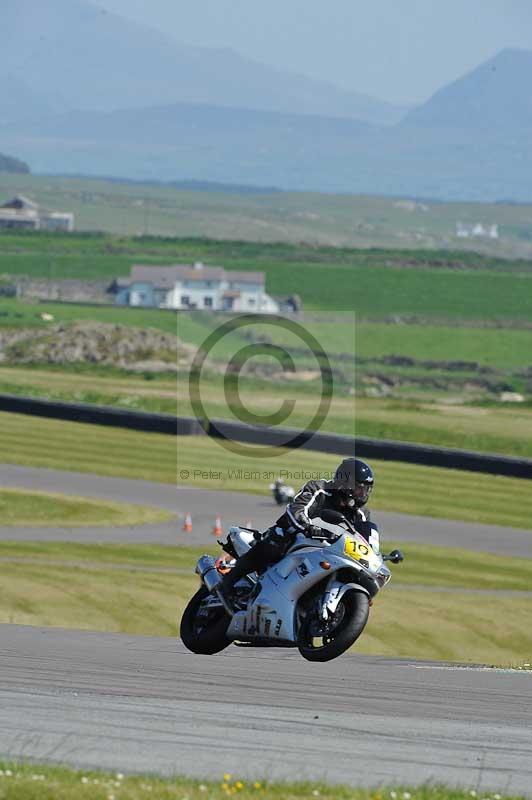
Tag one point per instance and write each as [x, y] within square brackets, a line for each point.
[313, 531]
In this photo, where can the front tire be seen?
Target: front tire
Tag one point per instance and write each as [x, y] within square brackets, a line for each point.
[328, 642]
[203, 630]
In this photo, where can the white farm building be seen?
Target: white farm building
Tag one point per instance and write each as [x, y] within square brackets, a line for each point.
[185, 286]
[23, 214]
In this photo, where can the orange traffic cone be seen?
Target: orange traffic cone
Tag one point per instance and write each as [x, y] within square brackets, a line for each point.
[217, 530]
[187, 525]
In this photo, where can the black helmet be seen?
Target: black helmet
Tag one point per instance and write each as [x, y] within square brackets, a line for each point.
[353, 482]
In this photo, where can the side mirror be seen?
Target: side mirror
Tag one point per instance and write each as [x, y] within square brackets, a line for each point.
[332, 516]
[395, 557]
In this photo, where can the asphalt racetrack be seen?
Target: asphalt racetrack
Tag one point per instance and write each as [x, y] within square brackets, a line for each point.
[234, 508]
[146, 704]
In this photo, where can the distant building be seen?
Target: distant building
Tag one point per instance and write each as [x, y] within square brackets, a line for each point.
[476, 230]
[184, 286]
[22, 213]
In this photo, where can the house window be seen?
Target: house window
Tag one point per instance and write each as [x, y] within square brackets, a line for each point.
[185, 300]
[251, 301]
[207, 302]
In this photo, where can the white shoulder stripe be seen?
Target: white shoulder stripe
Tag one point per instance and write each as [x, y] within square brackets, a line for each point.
[294, 520]
[312, 499]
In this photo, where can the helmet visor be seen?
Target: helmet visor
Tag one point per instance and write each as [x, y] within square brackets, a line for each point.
[362, 492]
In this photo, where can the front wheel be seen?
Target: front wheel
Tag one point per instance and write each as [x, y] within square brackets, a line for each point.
[203, 628]
[323, 641]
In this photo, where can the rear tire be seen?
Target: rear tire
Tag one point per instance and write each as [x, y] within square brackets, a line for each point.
[204, 634]
[353, 610]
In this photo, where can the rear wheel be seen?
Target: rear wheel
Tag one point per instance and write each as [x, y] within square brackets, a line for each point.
[323, 641]
[203, 627]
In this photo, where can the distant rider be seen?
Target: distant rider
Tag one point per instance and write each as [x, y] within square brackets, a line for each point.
[347, 493]
[282, 493]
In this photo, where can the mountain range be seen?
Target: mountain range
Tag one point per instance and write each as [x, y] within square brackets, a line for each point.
[88, 92]
[76, 54]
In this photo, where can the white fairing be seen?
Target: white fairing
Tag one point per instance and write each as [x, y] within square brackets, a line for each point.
[241, 539]
[272, 613]
[374, 540]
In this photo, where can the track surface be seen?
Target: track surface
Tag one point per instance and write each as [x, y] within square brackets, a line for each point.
[140, 703]
[234, 508]
[146, 704]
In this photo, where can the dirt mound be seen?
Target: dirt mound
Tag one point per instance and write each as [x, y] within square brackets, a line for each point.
[95, 343]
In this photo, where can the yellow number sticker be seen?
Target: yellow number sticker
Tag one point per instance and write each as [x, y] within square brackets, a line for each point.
[355, 550]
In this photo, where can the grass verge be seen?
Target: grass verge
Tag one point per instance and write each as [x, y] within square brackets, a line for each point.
[200, 461]
[490, 427]
[34, 509]
[42, 782]
[72, 446]
[482, 602]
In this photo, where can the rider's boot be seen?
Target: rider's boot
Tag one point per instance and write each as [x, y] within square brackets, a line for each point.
[255, 559]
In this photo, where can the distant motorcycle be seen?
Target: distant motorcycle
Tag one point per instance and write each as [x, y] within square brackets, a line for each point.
[316, 598]
[282, 494]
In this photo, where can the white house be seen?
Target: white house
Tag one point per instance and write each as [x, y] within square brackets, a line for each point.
[185, 286]
[475, 230]
[22, 213]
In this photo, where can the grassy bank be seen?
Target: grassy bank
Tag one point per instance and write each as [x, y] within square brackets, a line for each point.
[75, 447]
[482, 602]
[489, 427]
[19, 781]
[200, 461]
[35, 509]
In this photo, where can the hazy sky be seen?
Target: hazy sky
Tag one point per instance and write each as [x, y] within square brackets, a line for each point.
[398, 50]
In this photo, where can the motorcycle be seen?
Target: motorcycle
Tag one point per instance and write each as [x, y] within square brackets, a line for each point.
[317, 598]
[282, 494]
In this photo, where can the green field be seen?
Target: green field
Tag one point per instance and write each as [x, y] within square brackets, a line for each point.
[343, 333]
[374, 283]
[15, 314]
[416, 361]
[428, 324]
[439, 338]
[339, 220]
[482, 602]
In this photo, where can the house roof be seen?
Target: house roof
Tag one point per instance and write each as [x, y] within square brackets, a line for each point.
[165, 277]
[244, 276]
[20, 203]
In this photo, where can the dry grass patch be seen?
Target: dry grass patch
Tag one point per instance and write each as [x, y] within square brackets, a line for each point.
[20, 508]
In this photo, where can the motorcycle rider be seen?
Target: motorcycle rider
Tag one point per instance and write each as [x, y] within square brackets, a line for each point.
[281, 492]
[348, 492]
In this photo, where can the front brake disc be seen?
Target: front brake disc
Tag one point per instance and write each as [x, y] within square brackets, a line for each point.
[321, 627]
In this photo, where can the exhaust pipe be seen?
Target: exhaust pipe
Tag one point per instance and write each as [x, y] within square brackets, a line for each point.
[208, 573]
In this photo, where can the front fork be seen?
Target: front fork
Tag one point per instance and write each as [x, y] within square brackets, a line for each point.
[334, 591]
